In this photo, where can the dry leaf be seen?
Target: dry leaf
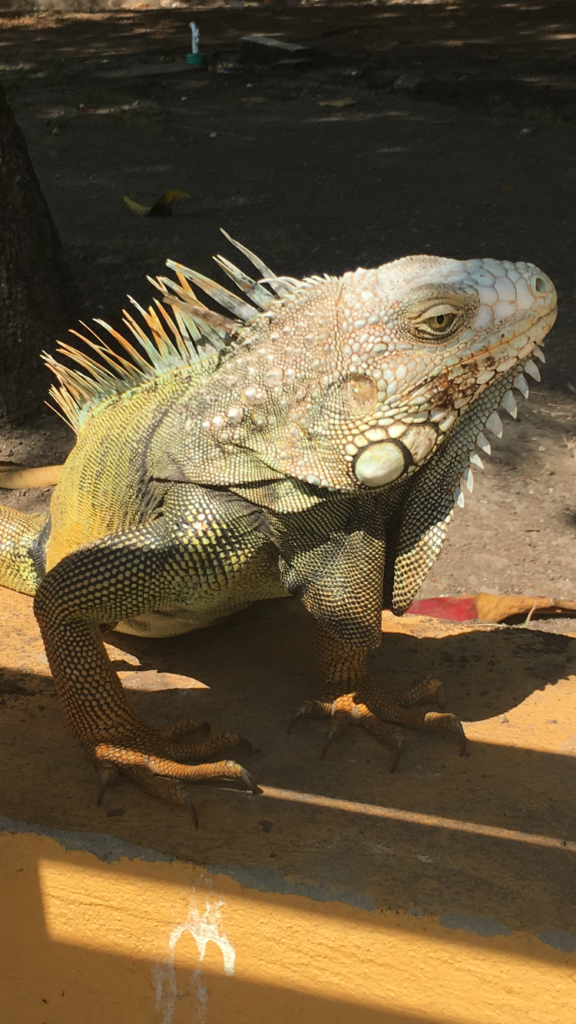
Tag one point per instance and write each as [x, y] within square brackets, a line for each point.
[161, 208]
[497, 608]
[150, 680]
[14, 477]
[346, 102]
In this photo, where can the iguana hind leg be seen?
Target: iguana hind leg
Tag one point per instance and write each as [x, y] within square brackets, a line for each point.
[120, 577]
[19, 532]
[349, 696]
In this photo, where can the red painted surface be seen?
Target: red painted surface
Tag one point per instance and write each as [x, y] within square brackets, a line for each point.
[455, 609]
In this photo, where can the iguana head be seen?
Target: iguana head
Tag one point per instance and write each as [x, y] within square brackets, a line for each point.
[349, 384]
[355, 382]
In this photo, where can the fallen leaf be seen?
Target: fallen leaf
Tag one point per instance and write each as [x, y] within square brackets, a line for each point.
[497, 608]
[161, 208]
[151, 680]
[14, 477]
[346, 102]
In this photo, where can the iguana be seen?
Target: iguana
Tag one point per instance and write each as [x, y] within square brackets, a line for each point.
[313, 442]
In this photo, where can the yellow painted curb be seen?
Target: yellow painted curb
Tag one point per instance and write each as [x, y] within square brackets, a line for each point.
[158, 942]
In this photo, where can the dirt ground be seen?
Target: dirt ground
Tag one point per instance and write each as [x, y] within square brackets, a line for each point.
[436, 128]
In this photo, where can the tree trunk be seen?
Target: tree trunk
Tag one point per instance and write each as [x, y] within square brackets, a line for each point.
[37, 294]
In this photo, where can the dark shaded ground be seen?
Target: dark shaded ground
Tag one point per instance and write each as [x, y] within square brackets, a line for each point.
[490, 835]
[109, 107]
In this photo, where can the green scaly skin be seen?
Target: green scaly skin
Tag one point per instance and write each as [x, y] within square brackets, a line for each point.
[312, 445]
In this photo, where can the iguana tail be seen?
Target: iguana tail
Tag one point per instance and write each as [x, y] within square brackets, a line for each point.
[20, 550]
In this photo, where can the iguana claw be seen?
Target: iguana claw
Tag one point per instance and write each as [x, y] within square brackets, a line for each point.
[335, 730]
[250, 782]
[190, 808]
[396, 755]
[108, 776]
[308, 708]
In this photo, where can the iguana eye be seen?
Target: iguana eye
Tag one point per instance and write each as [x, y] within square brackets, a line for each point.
[438, 322]
[441, 322]
[361, 394]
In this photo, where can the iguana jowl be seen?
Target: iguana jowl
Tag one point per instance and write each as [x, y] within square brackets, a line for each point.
[314, 445]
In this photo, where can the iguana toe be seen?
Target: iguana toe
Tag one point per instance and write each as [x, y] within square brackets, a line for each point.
[347, 710]
[155, 763]
[185, 727]
[402, 708]
[394, 710]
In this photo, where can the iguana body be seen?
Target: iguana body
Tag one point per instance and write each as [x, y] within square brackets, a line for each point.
[312, 446]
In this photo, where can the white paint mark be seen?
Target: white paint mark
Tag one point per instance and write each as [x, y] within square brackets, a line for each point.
[379, 848]
[204, 928]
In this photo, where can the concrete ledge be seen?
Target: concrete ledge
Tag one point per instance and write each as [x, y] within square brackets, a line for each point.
[444, 893]
[153, 941]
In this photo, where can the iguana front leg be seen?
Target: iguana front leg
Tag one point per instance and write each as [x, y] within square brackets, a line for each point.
[121, 577]
[349, 696]
[19, 533]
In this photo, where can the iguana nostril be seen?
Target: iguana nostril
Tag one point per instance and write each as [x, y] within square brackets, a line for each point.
[379, 464]
[539, 284]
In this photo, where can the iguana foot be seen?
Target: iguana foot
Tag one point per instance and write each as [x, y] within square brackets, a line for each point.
[395, 709]
[153, 759]
[108, 581]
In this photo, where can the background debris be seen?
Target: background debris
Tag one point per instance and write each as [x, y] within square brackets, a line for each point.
[161, 208]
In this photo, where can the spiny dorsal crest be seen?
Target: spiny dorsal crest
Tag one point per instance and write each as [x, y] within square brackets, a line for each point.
[188, 334]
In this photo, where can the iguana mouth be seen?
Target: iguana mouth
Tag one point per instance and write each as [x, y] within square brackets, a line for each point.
[502, 393]
[384, 460]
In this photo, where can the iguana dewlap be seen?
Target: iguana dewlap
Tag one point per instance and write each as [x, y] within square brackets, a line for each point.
[313, 444]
